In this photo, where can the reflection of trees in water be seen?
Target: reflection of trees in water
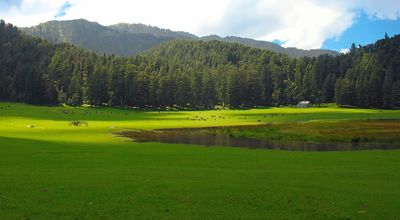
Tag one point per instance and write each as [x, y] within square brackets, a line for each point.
[217, 136]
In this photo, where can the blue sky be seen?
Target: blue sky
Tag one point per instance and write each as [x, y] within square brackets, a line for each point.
[63, 10]
[364, 31]
[6, 4]
[306, 24]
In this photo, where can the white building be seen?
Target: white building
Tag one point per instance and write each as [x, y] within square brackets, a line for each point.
[304, 104]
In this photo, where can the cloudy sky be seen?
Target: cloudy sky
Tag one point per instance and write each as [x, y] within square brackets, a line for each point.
[307, 24]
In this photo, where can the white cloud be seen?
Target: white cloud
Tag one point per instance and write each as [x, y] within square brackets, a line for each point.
[299, 23]
[381, 9]
[32, 12]
[344, 50]
[174, 14]
[307, 24]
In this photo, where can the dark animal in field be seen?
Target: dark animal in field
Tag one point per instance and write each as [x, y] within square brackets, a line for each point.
[78, 123]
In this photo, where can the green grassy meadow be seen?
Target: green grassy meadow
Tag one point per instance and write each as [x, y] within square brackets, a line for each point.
[50, 170]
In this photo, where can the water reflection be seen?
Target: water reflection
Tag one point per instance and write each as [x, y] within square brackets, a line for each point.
[214, 137]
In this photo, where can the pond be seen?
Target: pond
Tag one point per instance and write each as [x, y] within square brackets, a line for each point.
[217, 136]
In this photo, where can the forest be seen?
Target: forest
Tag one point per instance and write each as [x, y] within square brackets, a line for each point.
[189, 74]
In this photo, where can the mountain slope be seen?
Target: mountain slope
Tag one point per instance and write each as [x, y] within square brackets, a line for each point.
[146, 29]
[132, 39]
[291, 51]
[95, 37]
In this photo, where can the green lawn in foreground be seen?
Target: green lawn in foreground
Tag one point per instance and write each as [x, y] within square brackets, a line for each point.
[54, 171]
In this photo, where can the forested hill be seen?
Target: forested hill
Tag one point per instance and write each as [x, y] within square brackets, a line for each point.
[195, 74]
[146, 29]
[132, 39]
[290, 51]
[95, 37]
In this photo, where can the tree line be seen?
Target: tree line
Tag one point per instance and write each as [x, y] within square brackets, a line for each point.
[195, 74]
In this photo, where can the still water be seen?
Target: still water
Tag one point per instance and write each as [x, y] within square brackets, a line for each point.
[213, 137]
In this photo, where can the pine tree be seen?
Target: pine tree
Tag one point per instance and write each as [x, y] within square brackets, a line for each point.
[130, 85]
[396, 95]
[98, 85]
[387, 89]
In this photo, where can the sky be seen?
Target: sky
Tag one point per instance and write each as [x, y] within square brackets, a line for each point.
[306, 24]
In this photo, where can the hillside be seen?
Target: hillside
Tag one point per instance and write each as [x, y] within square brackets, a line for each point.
[95, 37]
[291, 51]
[132, 39]
[146, 29]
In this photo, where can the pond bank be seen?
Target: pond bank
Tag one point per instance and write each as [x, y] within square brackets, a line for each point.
[332, 136]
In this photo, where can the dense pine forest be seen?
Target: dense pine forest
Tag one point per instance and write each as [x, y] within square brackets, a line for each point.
[195, 74]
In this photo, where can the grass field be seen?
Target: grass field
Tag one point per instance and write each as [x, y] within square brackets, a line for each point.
[50, 170]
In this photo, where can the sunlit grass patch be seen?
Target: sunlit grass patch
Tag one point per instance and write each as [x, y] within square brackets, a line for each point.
[56, 171]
